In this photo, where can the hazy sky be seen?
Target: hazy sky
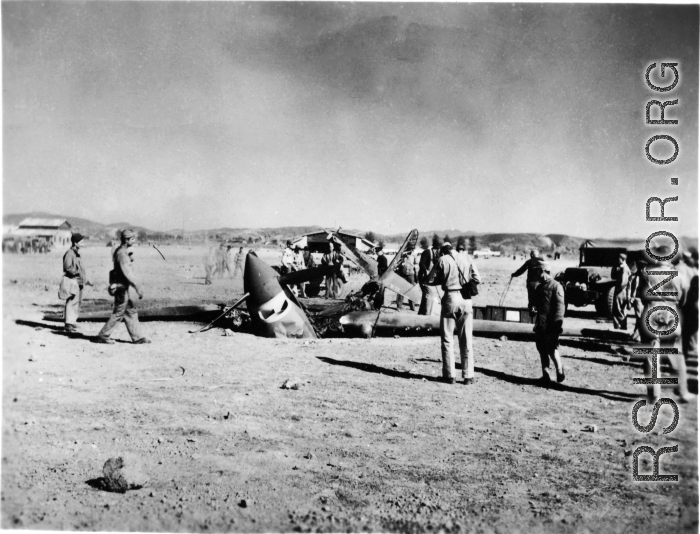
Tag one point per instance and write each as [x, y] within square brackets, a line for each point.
[384, 117]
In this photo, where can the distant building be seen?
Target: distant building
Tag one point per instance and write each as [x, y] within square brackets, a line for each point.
[38, 235]
[318, 241]
[486, 253]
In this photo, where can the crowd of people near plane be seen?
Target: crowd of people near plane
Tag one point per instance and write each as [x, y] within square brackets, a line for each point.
[454, 271]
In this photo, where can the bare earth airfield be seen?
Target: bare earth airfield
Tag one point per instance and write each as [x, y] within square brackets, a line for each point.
[370, 441]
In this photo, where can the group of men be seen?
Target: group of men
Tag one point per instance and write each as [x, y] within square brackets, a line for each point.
[122, 281]
[294, 258]
[218, 261]
[677, 300]
[633, 290]
[452, 270]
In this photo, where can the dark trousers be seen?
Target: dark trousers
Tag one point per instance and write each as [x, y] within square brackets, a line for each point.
[124, 310]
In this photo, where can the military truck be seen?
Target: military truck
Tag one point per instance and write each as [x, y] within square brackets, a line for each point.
[591, 281]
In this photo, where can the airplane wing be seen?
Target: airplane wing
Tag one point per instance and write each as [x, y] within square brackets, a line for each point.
[366, 262]
[408, 244]
[306, 275]
[391, 280]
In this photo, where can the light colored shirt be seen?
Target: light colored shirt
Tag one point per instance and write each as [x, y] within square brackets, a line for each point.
[447, 269]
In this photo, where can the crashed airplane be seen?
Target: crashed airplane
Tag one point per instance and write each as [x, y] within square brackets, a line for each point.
[276, 312]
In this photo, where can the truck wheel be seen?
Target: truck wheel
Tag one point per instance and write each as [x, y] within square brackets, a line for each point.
[604, 304]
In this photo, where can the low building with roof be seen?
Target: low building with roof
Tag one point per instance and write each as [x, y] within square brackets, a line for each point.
[318, 242]
[38, 235]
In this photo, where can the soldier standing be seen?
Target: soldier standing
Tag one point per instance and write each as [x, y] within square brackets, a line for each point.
[452, 271]
[621, 275]
[531, 283]
[73, 270]
[668, 296]
[334, 281]
[238, 262]
[407, 272]
[428, 258]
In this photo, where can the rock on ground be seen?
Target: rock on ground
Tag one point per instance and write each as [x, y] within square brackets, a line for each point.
[123, 473]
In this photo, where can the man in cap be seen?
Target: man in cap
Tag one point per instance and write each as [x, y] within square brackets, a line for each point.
[548, 305]
[621, 274]
[298, 265]
[667, 299]
[382, 266]
[239, 262]
[74, 272]
[452, 271]
[428, 259]
[531, 282]
[406, 271]
[382, 261]
[334, 281]
[288, 258]
[122, 280]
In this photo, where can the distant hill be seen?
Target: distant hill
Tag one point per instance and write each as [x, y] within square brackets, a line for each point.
[507, 243]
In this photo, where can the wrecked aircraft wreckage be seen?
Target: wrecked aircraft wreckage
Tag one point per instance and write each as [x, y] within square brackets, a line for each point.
[274, 311]
[269, 308]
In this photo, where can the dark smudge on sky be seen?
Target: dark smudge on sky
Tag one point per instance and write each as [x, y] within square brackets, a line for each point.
[485, 117]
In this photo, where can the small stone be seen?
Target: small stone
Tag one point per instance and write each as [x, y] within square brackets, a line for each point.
[244, 503]
[628, 452]
[565, 431]
[590, 428]
[160, 440]
[503, 338]
[309, 456]
[290, 384]
[123, 473]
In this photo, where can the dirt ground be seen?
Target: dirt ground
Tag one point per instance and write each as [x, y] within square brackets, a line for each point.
[370, 441]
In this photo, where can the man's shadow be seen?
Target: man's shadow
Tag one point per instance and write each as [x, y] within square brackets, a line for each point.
[60, 331]
[372, 368]
[518, 380]
[619, 396]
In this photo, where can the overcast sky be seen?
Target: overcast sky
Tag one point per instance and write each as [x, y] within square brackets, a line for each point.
[384, 117]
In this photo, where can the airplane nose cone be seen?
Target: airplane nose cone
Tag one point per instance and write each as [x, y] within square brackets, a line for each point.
[260, 280]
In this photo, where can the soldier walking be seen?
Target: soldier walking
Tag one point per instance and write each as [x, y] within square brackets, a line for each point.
[124, 308]
[549, 319]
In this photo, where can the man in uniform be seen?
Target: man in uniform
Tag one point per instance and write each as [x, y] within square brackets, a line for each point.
[549, 318]
[298, 265]
[662, 320]
[452, 271]
[382, 266]
[407, 272]
[430, 295]
[74, 270]
[621, 274]
[688, 273]
[334, 281]
[531, 282]
[239, 263]
[124, 279]
[288, 258]
[382, 262]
